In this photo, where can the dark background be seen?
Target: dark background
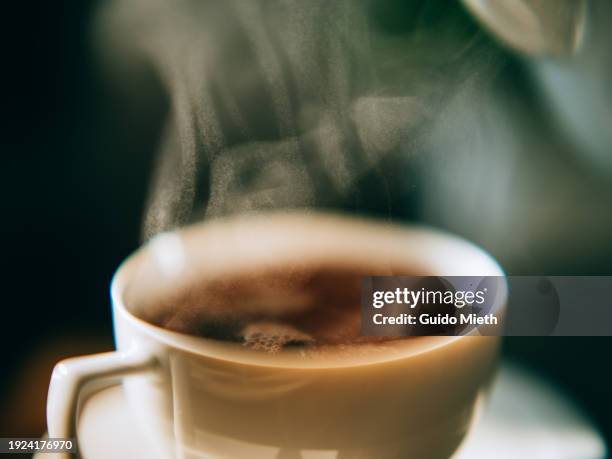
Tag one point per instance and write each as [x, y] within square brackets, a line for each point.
[73, 185]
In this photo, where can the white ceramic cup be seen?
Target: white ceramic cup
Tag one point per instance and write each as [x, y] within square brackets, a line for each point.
[201, 398]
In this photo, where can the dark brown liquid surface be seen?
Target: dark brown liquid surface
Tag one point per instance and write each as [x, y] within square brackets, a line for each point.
[267, 308]
[268, 283]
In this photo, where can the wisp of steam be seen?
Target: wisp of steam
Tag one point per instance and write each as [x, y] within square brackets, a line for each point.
[284, 104]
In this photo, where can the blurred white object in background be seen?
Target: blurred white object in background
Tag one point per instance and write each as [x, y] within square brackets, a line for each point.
[535, 27]
[501, 165]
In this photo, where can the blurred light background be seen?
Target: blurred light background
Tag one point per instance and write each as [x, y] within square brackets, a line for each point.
[530, 181]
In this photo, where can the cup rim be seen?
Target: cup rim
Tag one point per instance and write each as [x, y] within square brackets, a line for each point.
[230, 351]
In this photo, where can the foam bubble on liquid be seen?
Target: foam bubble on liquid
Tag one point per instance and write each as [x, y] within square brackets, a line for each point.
[272, 337]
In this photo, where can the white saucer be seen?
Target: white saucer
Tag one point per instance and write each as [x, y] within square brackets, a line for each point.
[525, 418]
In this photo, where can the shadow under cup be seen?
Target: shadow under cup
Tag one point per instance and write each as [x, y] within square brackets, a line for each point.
[215, 398]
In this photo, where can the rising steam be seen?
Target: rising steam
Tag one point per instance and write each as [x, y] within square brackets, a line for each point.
[291, 103]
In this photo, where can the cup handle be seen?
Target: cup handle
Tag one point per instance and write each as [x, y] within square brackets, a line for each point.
[71, 375]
